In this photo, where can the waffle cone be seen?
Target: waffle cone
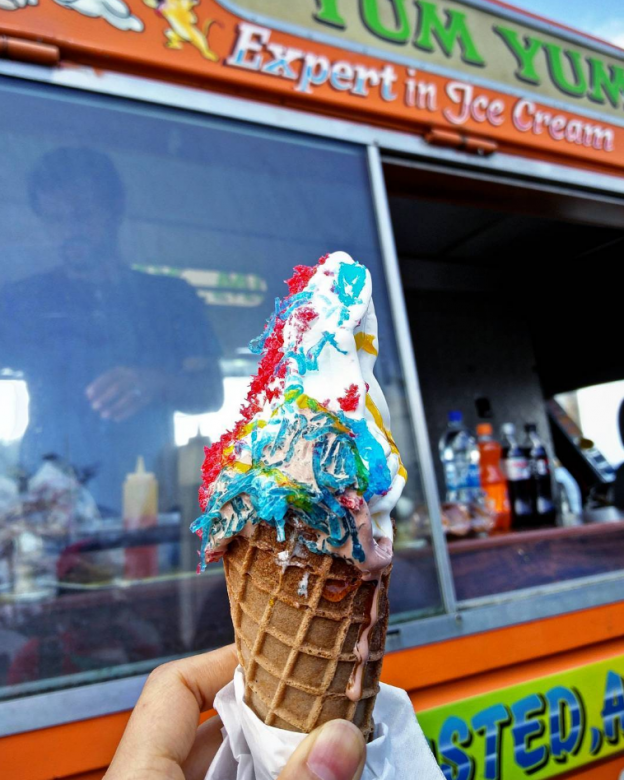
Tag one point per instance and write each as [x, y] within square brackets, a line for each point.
[297, 618]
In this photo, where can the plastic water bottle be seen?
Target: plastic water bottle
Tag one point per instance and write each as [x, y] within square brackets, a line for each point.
[569, 498]
[460, 457]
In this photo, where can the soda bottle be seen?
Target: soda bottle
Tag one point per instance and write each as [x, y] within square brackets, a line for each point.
[519, 484]
[541, 494]
[460, 457]
[493, 480]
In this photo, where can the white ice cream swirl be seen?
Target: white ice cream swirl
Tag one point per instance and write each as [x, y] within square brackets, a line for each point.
[314, 445]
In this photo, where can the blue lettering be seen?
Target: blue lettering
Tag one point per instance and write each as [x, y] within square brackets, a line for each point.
[454, 735]
[596, 741]
[526, 728]
[565, 740]
[281, 64]
[613, 712]
[491, 722]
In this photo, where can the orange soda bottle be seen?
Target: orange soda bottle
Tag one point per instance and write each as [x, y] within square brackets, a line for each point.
[493, 481]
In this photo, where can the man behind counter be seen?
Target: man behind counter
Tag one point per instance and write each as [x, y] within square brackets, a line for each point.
[108, 353]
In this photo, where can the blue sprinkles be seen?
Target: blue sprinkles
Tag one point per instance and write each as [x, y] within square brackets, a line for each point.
[345, 455]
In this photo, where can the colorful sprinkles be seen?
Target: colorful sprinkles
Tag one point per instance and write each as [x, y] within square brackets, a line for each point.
[290, 455]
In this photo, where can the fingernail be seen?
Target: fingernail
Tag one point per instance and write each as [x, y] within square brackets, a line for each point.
[337, 752]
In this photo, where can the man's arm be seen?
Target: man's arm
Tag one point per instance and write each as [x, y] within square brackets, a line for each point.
[195, 384]
[180, 361]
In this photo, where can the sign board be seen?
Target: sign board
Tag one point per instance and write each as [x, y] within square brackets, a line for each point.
[538, 729]
[473, 66]
[478, 42]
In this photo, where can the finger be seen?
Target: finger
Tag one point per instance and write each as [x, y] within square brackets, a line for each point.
[162, 728]
[335, 751]
[207, 741]
[108, 397]
[100, 384]
[124, 407]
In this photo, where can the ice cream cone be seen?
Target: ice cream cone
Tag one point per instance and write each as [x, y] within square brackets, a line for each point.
[303, 623]
[310, 461]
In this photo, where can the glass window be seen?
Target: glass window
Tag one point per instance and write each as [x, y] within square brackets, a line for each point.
[596, 412]
[142, 250]
[512, 307]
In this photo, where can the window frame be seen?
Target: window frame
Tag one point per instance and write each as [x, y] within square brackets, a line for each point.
[459, 619]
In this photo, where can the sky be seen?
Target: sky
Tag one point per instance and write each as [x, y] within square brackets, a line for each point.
[602, 18]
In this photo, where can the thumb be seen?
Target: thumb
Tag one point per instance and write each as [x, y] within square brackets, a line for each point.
[335, 751]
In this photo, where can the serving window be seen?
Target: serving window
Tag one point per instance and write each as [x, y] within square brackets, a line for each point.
[513, 309]
[142, 249]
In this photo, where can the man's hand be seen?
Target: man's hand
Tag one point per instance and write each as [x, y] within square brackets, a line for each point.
[120, 393]
[162, 741]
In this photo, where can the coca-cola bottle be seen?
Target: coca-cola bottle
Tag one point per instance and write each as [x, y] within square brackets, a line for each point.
[518, 472]
[541, 486]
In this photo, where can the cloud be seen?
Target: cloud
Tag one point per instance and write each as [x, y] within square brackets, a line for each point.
[612, 31]
[15, 5]
[115, 12]
[618, 40]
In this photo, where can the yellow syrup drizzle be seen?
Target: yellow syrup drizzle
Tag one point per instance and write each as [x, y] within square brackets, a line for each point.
[248, 429]
[376, 414]
[305, 402]
[240, 466]
[365, 341]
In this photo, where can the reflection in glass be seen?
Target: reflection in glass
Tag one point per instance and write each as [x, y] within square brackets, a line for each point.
[106, 370]
[137, 269]
[14, 401]
[213, 424]
[596, 411]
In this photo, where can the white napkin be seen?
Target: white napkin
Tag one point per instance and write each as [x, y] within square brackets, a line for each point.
[253, 751]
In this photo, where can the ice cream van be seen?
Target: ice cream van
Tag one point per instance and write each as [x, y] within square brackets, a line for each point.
[164, 166]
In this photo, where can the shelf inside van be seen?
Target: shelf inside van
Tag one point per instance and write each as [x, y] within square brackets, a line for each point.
[537, 557]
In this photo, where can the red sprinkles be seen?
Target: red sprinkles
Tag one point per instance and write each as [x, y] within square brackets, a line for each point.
[269, 369]
[350, 400]
[300, 278]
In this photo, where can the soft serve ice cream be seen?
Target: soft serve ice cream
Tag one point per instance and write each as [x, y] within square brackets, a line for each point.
[312, 447]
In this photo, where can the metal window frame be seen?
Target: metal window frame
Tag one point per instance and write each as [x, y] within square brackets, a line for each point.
[459, 619]
[410, 376]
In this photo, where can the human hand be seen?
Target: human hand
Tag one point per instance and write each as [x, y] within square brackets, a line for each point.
[162, 740]
[120, 392]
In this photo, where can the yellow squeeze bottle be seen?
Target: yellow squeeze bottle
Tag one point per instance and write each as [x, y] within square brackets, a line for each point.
[140, 510]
